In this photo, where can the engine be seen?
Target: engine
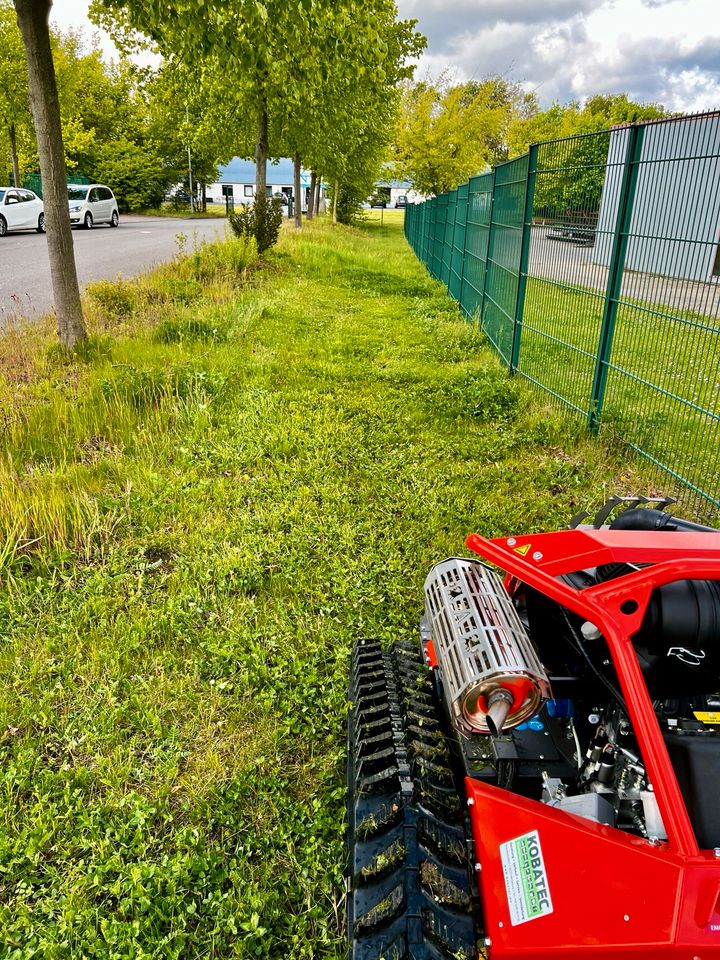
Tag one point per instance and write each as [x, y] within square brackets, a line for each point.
[532, 693]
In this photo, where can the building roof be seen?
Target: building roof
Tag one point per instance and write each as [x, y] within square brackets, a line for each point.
[279, 173]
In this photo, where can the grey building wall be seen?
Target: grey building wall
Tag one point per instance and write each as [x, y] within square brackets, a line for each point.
[675, 225]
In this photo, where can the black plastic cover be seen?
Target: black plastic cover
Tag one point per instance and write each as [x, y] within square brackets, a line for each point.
[696, 761]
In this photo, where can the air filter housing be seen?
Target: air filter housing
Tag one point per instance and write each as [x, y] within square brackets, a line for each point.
[491, 674]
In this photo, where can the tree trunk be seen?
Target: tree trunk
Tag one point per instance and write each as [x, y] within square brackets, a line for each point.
[14, 155]
[204, 196]
[336, 189]
[311, 198]
[316, 199]
[32, 17]
[296, 190]
[261, 150]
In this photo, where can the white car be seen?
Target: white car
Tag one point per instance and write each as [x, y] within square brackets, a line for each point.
[92, 203]
[20, 209]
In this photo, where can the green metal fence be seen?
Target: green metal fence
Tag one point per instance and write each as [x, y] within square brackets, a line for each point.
[592, 264]
[33, 182]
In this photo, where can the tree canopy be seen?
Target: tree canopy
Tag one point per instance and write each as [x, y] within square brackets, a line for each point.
[448, 132]
[317, 78]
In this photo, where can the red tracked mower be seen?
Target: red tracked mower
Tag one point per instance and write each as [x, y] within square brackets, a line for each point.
[541, 776]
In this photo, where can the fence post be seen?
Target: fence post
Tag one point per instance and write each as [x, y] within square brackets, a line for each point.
[487, 251]
[631, 162]
[524, 255]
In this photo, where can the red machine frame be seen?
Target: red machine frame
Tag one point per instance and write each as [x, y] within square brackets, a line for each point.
[612, 894]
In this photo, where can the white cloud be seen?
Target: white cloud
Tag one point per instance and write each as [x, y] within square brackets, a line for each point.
[665, 51]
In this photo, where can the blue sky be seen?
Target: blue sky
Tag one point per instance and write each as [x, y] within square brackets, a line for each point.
[665, 51]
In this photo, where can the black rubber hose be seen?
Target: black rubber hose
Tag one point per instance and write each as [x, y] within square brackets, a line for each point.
[646, 519]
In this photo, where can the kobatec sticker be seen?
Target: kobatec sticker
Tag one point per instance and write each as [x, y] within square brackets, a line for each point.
[525, 878]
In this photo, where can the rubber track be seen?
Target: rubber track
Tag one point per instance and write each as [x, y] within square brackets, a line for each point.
[408, 892]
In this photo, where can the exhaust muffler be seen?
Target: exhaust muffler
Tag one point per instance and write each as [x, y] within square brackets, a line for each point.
[491, 674]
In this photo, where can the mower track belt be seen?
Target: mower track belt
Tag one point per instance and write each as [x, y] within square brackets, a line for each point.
[407, 879]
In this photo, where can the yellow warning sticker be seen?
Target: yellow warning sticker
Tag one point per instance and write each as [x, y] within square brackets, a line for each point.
[523, 551]
[707, 717]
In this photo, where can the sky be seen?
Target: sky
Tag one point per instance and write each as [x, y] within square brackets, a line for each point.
[660, 51]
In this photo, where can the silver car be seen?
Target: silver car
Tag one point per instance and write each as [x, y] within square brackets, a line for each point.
[20, 209]
[92, 203]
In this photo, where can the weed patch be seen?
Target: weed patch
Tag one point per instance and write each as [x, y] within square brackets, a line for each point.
[189, 329]
[117, 298]
[144, 386]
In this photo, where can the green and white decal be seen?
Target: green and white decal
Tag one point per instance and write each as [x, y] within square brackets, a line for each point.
[526, 881]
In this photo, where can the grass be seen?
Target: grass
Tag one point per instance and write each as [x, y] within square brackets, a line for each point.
[245, 471]
[661, 395]
[183, 212]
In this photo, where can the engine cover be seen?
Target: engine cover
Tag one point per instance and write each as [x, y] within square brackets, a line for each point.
[491, 674]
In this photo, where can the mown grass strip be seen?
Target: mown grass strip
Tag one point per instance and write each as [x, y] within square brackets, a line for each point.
[243, 474]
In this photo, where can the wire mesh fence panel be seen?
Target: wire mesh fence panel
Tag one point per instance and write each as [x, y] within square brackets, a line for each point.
[431, 218]
[503, 256]
[457, 252]
[477, 235]
[412, 214]
[593, 266]
[425, 242]
[663, 379]
[437, 234]
[565, 288]
[447, 241]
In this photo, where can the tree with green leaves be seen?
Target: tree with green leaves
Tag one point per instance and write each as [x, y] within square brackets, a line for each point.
[350, 130]
[578, 159]
[14, 107]
[597, 113]
[283, 56]
[448, 132]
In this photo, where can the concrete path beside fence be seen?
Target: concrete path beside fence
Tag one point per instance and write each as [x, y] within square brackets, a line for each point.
[570, 263]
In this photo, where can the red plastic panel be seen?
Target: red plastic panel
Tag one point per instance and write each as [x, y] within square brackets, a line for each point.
[585, 889]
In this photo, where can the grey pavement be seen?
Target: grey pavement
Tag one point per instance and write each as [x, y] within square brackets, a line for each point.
[567, 263]
[139, 244]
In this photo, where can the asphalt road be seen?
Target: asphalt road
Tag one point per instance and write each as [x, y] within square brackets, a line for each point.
[137, 245]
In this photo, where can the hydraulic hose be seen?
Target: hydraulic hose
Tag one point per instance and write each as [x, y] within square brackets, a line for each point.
[647, 519]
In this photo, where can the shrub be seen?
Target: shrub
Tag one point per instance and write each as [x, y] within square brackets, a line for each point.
[137, 175]
[117, 298]
[261, 220]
